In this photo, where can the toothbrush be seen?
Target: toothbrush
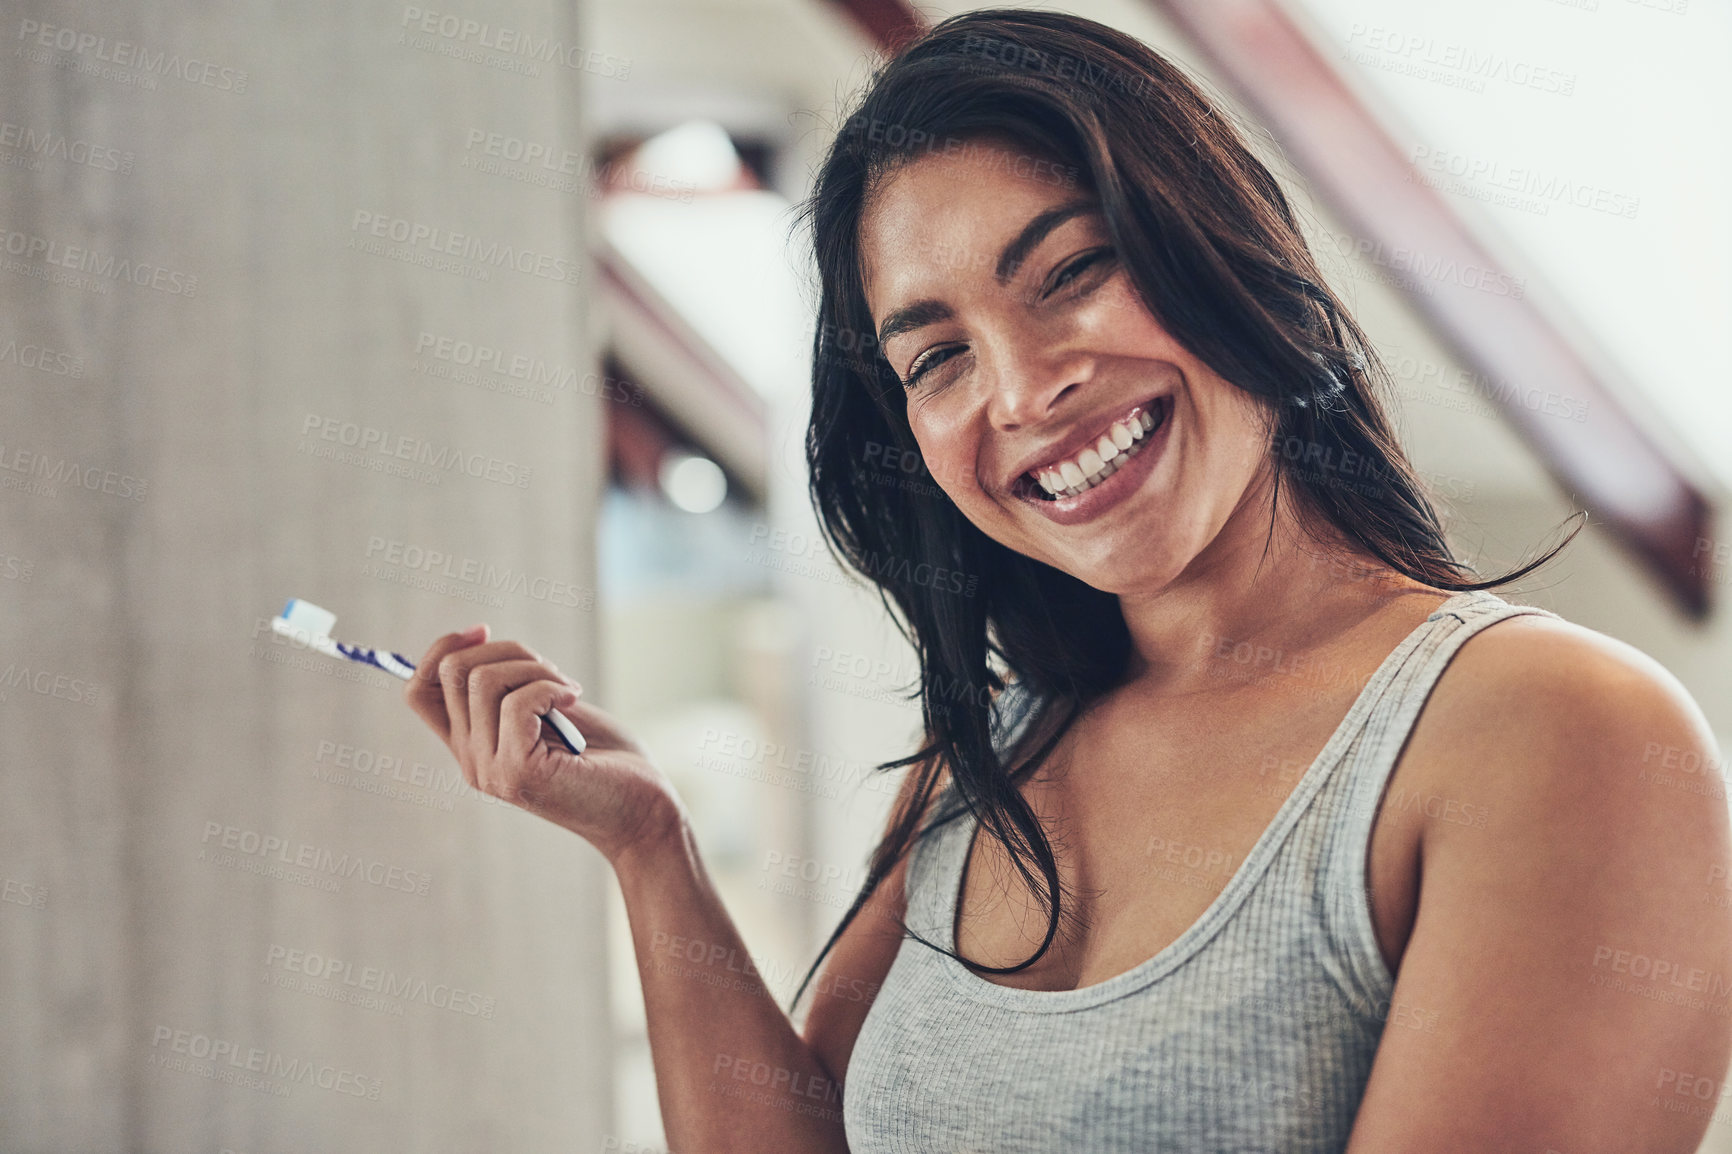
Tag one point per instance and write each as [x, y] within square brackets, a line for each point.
[311, 625]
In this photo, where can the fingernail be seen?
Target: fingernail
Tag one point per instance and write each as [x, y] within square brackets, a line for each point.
[473, 633]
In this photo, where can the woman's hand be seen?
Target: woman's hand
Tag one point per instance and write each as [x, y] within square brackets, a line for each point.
[484, 700]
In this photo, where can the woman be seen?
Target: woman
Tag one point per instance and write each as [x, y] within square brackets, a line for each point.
[1282, 846]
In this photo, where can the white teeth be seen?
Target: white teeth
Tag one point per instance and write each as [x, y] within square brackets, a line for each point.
[1121, 442]
[1059, 487]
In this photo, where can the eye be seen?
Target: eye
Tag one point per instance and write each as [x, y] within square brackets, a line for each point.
[928, 360]
[1071, 272]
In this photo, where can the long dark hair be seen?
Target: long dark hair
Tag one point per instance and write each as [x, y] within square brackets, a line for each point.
[1216, 254]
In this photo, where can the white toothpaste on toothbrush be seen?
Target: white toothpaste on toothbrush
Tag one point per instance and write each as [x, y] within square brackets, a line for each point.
[311, 626]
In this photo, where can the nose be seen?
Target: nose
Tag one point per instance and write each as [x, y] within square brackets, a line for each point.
[1030, 376]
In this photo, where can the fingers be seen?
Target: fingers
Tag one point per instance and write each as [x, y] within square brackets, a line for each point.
[520, 731]
[599, 729]
[489, 683]
[460, 688]
[423, 692]
[455, 669]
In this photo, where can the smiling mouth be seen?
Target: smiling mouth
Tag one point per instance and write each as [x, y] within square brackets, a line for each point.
[1122, 440]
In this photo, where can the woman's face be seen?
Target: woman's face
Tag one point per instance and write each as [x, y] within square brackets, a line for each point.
[1025, 352]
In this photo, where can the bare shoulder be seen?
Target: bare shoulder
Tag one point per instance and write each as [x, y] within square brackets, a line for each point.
[1571, 708]
[1575, 929]
[1574, 747]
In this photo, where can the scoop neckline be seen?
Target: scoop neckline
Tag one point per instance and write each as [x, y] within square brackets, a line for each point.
[1198, 934]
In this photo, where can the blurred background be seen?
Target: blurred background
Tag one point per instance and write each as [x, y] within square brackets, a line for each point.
[434, 315]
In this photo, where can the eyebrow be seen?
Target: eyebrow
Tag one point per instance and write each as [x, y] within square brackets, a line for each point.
[925, 312]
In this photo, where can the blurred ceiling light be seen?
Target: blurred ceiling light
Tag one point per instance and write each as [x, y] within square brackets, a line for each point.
[693, 483]
[697, 155]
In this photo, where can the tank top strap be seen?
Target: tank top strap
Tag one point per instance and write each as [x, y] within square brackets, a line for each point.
[1358, 788]
[923, 884]
[1396, 711]
[1012, 710]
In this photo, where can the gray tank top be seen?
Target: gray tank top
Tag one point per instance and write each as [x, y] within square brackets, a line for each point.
[1253, 1032]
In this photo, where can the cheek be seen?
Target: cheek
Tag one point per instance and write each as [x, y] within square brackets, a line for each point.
[950, 465]
[1118, 318]
[946, 449]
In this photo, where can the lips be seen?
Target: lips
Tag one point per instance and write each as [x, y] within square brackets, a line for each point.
[1088, 463]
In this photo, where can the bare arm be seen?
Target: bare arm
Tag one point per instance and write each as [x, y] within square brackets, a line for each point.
[1566, 985]
[732, 1074]
[727, 1059]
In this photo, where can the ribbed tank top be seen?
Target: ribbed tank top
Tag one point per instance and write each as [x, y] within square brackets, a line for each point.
[1253, 1032]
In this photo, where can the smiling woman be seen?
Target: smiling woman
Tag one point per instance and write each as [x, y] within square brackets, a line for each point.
[1053, 270]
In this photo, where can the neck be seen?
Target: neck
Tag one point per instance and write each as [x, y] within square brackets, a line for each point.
[1278, 590]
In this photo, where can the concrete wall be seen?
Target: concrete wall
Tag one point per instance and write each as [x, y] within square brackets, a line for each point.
[187, 197]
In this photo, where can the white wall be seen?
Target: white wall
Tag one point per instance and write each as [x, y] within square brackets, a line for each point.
[248, 175]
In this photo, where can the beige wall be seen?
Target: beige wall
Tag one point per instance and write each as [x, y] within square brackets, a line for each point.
[237, 147]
